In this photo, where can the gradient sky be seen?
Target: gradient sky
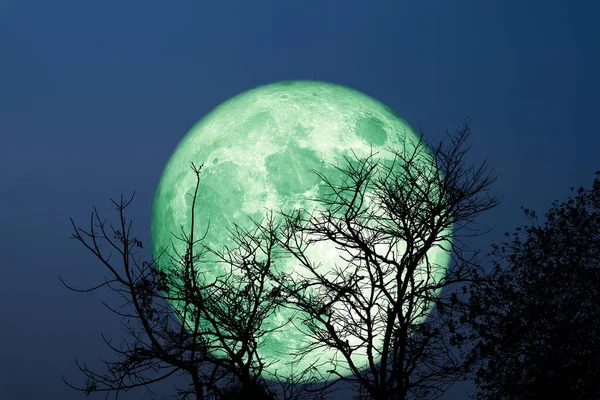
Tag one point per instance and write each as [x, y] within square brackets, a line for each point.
[95, 95]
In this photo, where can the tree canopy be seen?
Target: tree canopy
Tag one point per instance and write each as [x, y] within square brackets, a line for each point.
[538, 317]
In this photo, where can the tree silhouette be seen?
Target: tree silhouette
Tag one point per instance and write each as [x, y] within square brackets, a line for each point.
[386, 220]
[210, 332]
[538, 316]
[372, 309]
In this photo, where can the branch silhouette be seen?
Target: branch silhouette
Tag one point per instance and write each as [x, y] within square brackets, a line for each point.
[177, 321]
[371, 306]
[373, 310]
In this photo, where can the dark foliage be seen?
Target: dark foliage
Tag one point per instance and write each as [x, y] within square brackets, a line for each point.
[538, 318]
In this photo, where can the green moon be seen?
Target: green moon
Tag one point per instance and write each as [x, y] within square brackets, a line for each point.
[257, 149]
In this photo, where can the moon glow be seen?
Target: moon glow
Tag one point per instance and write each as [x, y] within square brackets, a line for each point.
[257, 149]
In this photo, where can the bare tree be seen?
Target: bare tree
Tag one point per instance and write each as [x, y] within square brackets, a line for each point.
[180, 322]
[390, 225]
[394, 227]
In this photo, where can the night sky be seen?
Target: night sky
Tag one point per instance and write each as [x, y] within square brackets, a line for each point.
[95, 96]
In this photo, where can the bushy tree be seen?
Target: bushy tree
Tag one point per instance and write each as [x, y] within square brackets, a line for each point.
[538, 317]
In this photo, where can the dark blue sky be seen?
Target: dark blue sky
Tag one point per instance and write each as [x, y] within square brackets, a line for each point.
[95, 95]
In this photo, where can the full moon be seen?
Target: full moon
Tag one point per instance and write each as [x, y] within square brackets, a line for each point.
[258, 149]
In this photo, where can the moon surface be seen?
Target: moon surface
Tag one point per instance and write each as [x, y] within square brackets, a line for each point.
[257, 149]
